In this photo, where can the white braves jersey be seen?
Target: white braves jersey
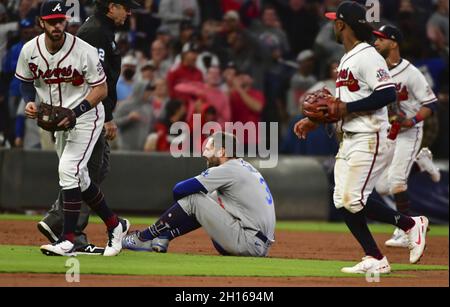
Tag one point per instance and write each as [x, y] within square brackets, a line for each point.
[413, 90]
[64, 78]
[361, 72]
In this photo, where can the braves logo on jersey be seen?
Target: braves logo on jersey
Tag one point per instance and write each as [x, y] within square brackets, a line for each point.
[57, 75]
[346, 79]
[402, 92]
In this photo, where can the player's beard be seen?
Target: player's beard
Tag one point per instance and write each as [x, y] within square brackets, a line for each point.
[212, 162]
[338, 38]
[54, 37]
[384, 53]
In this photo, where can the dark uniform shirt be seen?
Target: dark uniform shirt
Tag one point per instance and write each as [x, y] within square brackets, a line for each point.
[98, 31]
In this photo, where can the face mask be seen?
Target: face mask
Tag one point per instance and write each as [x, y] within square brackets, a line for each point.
[128, 74]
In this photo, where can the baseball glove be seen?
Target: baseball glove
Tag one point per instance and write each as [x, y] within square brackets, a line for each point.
[321, 107]
[50, 116]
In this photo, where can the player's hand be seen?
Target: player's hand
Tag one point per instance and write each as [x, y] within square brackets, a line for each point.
[407, 123]
[303, 127]
[69, 121]
[111, 130]
[31, 110]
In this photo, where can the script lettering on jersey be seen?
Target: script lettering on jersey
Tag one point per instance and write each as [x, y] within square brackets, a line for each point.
[402, 92]
[346, 79]
[57, 75]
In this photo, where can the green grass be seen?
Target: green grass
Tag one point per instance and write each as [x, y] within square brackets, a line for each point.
[436, 230]
[28, 259]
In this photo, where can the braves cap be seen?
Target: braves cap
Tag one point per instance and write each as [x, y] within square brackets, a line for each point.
[352, 13]
[53, 9]
[389, 32]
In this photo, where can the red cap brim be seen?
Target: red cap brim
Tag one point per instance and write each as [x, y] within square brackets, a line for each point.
[55, 16]
[331, 15]
[380, 34]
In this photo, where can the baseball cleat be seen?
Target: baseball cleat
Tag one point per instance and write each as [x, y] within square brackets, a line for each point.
[59, 248]
[369, 265]
[132, 242]
[424, 160]
[399, 239]
[115, 236]
[47, 232]
[90, 250]
[160, 245]
[417, 238]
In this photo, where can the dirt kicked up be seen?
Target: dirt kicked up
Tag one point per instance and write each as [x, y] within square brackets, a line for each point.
[289, 244]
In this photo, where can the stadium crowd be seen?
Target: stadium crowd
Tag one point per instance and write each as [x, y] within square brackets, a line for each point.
[227, 60]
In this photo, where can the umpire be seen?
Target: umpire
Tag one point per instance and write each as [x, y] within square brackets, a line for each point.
[98, 31]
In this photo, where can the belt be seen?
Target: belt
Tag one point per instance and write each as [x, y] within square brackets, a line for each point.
[262, 237]
[259, 235]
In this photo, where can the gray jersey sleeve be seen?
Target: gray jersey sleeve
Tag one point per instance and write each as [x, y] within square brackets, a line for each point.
[216, 178]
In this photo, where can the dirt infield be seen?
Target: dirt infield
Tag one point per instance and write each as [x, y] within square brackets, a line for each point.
[326, 246]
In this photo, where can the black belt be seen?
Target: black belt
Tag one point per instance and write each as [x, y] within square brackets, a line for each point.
[259, 235]
[262, 237]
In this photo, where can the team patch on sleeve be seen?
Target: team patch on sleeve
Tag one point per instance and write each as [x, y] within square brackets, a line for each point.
[383, 75]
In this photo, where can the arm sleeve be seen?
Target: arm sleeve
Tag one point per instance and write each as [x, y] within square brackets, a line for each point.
[187, 187]
[23, 72]
[27, 91]
[215, 178]
[93, 71]
[377, 100]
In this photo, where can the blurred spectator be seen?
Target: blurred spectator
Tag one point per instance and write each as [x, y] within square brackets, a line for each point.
[246, 52]
[148, 72]
[247, 104]
[144, 23]
[231, 5]
[270, 27]
[208, 93]
[186, 71]
[173, 12]
[210, 10]
[27, 32]
[28, 9]
[134, 119]
[126, 79]
[73, 26]
[160, 59]
[186, 35]
[297, 17]
[250, 11]
[163, 34]
[301, 81]
[437, 27]
[160, 140]
[160, 98]
[327, 48]
[228, 75]
[329, 83]
[6, 27]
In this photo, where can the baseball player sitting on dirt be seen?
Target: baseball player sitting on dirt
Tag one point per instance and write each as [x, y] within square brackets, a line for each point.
[231, 200]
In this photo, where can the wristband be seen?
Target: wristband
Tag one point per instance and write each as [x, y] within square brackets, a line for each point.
[417, 119]
[82, 108]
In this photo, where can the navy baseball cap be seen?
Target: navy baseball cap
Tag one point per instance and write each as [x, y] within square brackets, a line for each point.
[352, 13]
[53, 9]
[131, 4]
[389, 32]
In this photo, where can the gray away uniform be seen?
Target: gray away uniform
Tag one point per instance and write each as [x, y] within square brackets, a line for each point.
[237, 210]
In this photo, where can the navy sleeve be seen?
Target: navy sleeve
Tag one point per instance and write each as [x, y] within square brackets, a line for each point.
[27, 91]
[432, 106]
[187, 187]
[20, 126]
[377, 100]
